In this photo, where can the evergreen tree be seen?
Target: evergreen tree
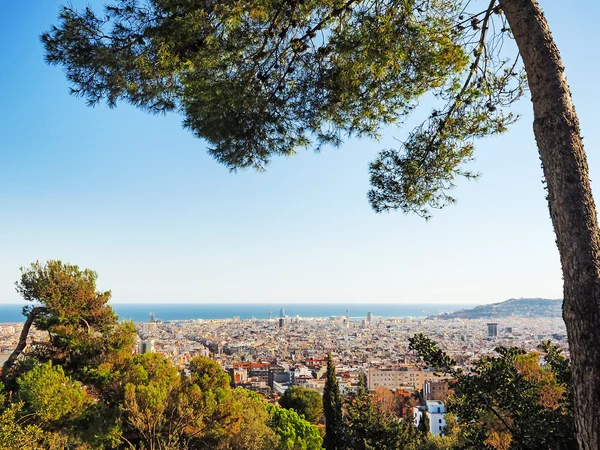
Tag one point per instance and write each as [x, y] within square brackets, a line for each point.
[408, 423]
[293, 431]
[304, 401]
[370, 426]
[82, 327]
[423, 427]
[335, 426]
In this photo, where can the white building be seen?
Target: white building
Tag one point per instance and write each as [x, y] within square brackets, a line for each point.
[435, 412]
[147, 346]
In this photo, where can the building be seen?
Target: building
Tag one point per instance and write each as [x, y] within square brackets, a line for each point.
[259, 371]
[282, 312]
[369, 317]
[435, 390]
[492, 330]
[151, 317]
[395, 377]
[147, 346]
[436, 413]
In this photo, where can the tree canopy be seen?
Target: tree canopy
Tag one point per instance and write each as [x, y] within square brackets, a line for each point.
[263, 78]
[304, 401]
[56, 398]
[510, 401]
[82, 328]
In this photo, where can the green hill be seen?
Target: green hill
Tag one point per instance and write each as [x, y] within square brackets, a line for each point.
[516, 307]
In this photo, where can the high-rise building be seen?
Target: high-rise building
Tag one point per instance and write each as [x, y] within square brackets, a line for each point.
[282, 312]
[492, 330]
[147, 346]
[281, 322]
[151, 317]
[369, 317]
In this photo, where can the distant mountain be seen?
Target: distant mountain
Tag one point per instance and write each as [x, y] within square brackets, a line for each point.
[516, 307]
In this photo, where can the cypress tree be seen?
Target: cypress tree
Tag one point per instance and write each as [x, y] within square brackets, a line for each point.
[332, 409]
[423, 427]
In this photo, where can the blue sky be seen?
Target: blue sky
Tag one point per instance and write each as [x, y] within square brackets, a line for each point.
[136, 198]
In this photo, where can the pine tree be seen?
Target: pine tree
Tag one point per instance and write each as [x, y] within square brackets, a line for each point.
[335, 426]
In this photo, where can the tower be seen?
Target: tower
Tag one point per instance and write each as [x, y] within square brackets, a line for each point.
[369, 317]
[151, 317]
[282, 312]
[492, 330]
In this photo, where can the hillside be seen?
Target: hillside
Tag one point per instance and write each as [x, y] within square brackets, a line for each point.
[521, 307]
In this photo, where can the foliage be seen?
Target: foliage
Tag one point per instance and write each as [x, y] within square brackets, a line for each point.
[332, 410]
[148, 401]
[52, 396]
[160, 408]
[17, 434]
[424, 424]
[254, 431]
[207, 374]
[304, 401]
[294, 432]
[82, 328]
[262, 78]
[387, 400]
[370, 426]
[510, 401]
[59, 412]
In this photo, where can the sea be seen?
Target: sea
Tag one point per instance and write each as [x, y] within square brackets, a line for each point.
[140, 312]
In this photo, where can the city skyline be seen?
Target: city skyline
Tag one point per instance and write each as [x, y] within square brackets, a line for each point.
[137, 199]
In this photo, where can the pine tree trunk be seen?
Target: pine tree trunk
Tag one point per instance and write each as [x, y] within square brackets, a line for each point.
[572, 208]
[22, 339]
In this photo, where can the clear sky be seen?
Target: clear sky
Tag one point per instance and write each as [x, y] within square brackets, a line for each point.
[136, 198]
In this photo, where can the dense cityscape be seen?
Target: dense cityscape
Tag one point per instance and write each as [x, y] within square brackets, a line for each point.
[270, 355]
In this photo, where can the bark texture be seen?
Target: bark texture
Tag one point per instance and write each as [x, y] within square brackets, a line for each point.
[22, 339]
[572, 209]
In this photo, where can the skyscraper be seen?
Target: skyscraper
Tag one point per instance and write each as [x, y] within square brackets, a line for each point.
[492, 330]
[282, 312]
[151, 317]
[369, 317]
